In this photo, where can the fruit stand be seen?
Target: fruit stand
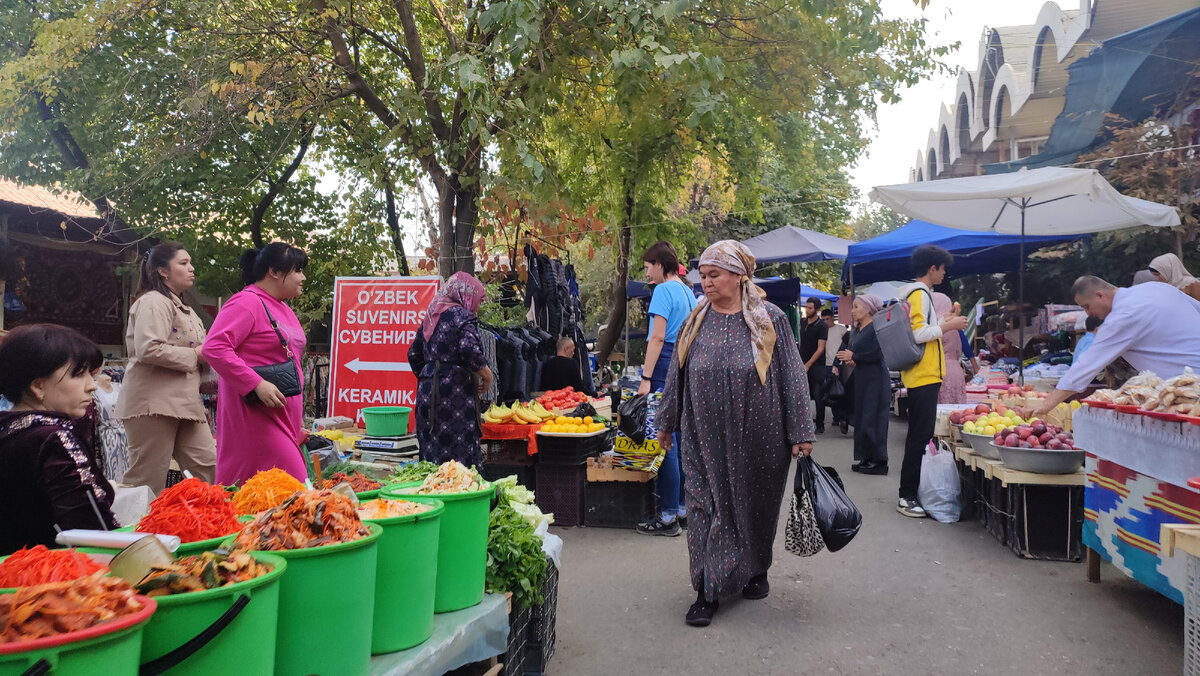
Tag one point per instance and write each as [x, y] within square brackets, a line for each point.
[1036, 514]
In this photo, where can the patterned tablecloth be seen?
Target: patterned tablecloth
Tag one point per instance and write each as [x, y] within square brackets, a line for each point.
[1137, 472]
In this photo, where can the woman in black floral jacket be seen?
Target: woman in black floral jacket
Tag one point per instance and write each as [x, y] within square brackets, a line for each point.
[49, 477]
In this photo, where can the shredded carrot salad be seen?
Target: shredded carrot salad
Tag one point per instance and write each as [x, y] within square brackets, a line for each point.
[193, 510]
[265, 490]
[27, 567]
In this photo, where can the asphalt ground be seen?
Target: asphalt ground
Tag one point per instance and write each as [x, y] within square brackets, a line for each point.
[907, 596]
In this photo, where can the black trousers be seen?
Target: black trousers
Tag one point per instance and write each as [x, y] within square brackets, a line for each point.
[816, 382]
[922, 417]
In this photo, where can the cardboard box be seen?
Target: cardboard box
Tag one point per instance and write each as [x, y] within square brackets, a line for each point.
[596, 473]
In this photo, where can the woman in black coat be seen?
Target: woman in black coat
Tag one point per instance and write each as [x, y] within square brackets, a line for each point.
[872, 389]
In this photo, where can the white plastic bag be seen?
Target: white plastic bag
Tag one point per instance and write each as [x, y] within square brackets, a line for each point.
[939, 490]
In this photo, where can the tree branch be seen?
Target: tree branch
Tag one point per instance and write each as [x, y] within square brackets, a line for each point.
[276, 187]
[440, 15]
[416, 52]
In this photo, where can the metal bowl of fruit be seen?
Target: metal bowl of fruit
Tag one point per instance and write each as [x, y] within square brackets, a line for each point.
[982, 444]
[1038, 448]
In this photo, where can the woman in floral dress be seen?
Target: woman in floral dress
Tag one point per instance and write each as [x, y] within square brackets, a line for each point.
[737, 394]
[451, 372]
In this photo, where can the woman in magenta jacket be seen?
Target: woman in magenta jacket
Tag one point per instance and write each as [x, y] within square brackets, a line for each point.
[265, 430]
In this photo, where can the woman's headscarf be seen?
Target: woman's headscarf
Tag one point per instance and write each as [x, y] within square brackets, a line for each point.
[870, 302]
[1171, 268]
[733, 256]
[941, 306]
[461, 290]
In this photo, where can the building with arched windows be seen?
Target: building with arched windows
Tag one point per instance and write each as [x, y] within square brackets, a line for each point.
[1005, 109]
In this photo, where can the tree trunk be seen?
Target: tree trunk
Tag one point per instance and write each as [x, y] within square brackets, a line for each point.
[617, 312]
[446, 254]
[393, 224]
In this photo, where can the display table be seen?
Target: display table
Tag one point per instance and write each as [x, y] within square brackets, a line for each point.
[1137, 472]
[459, 638]
[1037, 516]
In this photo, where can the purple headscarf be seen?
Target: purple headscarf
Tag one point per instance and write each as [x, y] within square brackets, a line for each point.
[461, 290]
[870, 303]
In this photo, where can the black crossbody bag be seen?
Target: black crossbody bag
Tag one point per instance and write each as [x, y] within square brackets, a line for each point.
[283, 375]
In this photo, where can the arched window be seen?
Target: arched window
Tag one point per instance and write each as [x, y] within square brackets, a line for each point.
[964, 124]
[992, 61]
[944, 147]
[933, 165]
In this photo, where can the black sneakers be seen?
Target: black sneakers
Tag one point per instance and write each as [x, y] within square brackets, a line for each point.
[657, 526]
[910, 507]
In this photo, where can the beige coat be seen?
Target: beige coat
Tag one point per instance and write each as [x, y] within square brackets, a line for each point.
[163, 376]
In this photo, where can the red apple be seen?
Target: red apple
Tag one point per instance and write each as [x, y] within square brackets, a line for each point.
[1038, 428]
[1054, 444]
[998, 440]
[1024, 432]
[1045, 437]
[1012, 441]
[1026, 444]
[1029, 388]
[983, 408]
[956, 417]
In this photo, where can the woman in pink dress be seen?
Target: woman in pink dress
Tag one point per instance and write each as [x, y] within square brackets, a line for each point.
[954, 382]
[264, 430]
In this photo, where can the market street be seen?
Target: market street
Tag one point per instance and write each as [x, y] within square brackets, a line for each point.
[908, 596]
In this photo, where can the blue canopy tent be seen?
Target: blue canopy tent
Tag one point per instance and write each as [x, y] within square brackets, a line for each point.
[886, 258]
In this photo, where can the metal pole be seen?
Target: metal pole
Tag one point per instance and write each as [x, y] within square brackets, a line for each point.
[1021, 302]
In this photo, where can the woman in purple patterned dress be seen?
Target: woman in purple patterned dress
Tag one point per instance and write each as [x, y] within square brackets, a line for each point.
[737, 394]
[451, 372]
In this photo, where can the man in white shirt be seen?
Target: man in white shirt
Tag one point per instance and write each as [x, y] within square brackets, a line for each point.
[1154, 326]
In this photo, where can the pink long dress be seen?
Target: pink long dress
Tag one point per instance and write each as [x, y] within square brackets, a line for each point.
[254, 437]
[954, 382]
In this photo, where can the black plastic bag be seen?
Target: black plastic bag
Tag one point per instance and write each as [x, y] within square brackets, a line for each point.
[835, 391]
[583, 410]
[837, 517]
[633, 418]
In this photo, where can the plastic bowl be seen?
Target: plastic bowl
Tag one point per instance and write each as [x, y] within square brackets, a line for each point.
[386, 421]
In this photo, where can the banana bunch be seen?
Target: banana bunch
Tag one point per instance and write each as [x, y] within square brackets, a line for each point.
[530, 413]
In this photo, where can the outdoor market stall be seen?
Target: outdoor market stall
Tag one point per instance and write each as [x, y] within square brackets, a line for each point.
[1141, 467]
[366, 569]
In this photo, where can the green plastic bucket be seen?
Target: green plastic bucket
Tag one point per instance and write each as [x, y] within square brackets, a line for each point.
[240, 633]
[108, 649]
[386, 421]
[326, 603]
[404, 594]
[462, 545]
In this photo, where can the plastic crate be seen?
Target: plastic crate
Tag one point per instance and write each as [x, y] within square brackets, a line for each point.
[518, 641]
[572, 451]
[542, 634]
[1046, 522]
[996, 506]
[559, 491]
[618, 504]
[526, 474]
[968, 491]
[1191, 618]
[507, 452]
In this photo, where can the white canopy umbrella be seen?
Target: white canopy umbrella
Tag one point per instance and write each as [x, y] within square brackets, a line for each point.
[1046, 201]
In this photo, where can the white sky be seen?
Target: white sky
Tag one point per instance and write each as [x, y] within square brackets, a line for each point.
[904, 126]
